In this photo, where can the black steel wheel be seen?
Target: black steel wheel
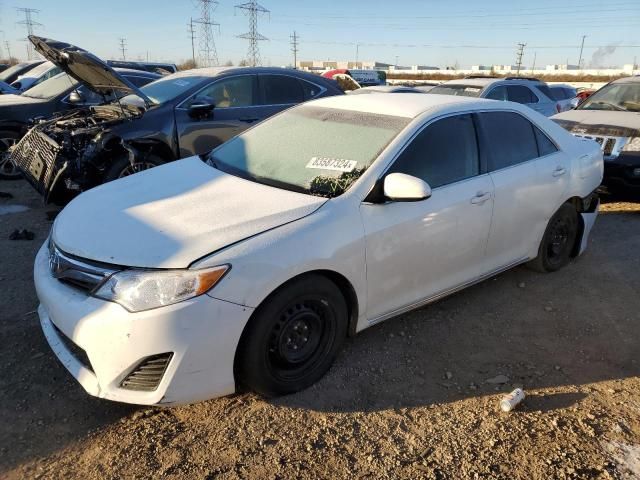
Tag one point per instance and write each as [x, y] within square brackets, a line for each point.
[558, 240]
[8, 170]
[293, 337]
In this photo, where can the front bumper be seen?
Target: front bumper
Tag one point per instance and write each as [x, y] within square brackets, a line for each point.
[201, 333]
[622, 173]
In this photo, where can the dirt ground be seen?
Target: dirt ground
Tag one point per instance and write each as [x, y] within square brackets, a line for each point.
[415, 397]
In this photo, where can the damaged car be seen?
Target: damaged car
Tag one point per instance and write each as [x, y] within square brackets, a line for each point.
[61, 93]
[249, 271]
[611, 117]
[183, 114]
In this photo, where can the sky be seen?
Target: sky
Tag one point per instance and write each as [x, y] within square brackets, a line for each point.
[404, 32]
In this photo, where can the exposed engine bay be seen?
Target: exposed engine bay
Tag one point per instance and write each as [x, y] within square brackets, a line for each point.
[69, 152]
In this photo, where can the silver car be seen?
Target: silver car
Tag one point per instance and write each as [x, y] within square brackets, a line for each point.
[527, 91]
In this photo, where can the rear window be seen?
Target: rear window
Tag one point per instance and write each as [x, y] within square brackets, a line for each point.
[546, 91]
[460, 90]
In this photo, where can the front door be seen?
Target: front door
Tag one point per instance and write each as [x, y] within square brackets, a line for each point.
[236, 107]
[417, 250]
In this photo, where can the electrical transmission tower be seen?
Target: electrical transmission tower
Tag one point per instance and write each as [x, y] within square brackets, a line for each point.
[294, 48]
[519, 56]
[252, 9]
[192, 35]
[29, 23]
[123, 47]
[208, 56]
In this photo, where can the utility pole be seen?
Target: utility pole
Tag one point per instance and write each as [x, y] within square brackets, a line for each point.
[123, 47]
[519, 56]
[294, 48]
[208, 55]
[357, 52]
[581, 48]
[192, 36]
[252, 9]
[8, 47]
[535, 55]
[29, 22]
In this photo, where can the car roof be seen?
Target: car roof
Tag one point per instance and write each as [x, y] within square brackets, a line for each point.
[399, 104]
[634, 79]
[132, 71]
[485, 82]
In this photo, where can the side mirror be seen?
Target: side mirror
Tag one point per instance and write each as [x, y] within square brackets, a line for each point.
[201, 108]
[401, 187]
[75, 97]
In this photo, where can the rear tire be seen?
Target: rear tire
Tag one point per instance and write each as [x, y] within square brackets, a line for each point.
[8, 170]
[293, 337]
[558, 241]
[122, 167]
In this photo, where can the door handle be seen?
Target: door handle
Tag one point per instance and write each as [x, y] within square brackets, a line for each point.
[480, 198]
[248, 119]
[559, 171]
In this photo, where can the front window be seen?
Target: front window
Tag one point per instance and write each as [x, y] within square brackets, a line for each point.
[315, 150]
[623, 97]
[52, 87]
[170, 87]
[458, 89]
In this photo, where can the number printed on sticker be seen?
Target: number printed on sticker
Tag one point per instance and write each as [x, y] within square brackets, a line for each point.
[328, 163]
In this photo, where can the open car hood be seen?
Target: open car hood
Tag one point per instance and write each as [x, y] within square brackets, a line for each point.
[85, 67]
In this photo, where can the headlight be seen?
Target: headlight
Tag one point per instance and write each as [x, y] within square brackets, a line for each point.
[138, 290]
[633, 145]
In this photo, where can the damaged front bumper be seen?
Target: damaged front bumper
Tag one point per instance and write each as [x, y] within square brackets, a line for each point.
[101, 344]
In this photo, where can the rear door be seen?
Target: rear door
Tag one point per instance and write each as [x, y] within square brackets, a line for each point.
[236, 107]
[417, 250]
[526, 191]
[524, 95]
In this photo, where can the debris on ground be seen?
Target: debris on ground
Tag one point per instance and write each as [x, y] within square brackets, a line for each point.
[22, 234]
[511, 401]
[497, 380]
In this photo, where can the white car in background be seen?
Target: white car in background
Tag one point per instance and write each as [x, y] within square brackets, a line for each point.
[35, 76]
[565, 95]
[186, 281]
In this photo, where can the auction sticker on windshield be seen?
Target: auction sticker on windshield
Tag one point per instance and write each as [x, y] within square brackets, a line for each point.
[328, 163]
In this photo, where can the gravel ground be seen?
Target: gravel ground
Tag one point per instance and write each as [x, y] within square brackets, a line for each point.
[415, 397]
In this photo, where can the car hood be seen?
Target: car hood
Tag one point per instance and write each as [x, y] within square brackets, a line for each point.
[172, 215]
[85, 67]
[600, 122]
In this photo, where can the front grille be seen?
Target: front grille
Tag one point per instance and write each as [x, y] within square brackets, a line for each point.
[147, 375]
[607, 144]
[35, 155]
[80, 274]
[75, 350]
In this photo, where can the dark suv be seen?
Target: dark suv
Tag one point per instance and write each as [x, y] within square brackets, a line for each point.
[183, 114]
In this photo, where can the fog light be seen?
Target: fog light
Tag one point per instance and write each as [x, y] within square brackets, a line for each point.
[636, 172]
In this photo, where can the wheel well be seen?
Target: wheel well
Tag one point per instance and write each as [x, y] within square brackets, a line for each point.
[158, 148]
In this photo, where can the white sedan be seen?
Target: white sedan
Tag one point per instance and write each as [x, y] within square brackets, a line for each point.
[189, 280]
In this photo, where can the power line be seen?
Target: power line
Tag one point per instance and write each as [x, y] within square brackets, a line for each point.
[252, 9]
[123, 47]
[208, 55]
[192, 34]
[519, 56]
[29, 23]
[294, 48]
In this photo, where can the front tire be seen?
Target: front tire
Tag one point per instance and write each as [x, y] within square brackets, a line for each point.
[293, 337]
[8, 170]
[558, 241]
[122, 167]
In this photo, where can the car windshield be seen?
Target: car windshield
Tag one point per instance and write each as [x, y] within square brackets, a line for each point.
[616, 96]
[458, 89]
[52, 87]
[170, 87]
[314, 150]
